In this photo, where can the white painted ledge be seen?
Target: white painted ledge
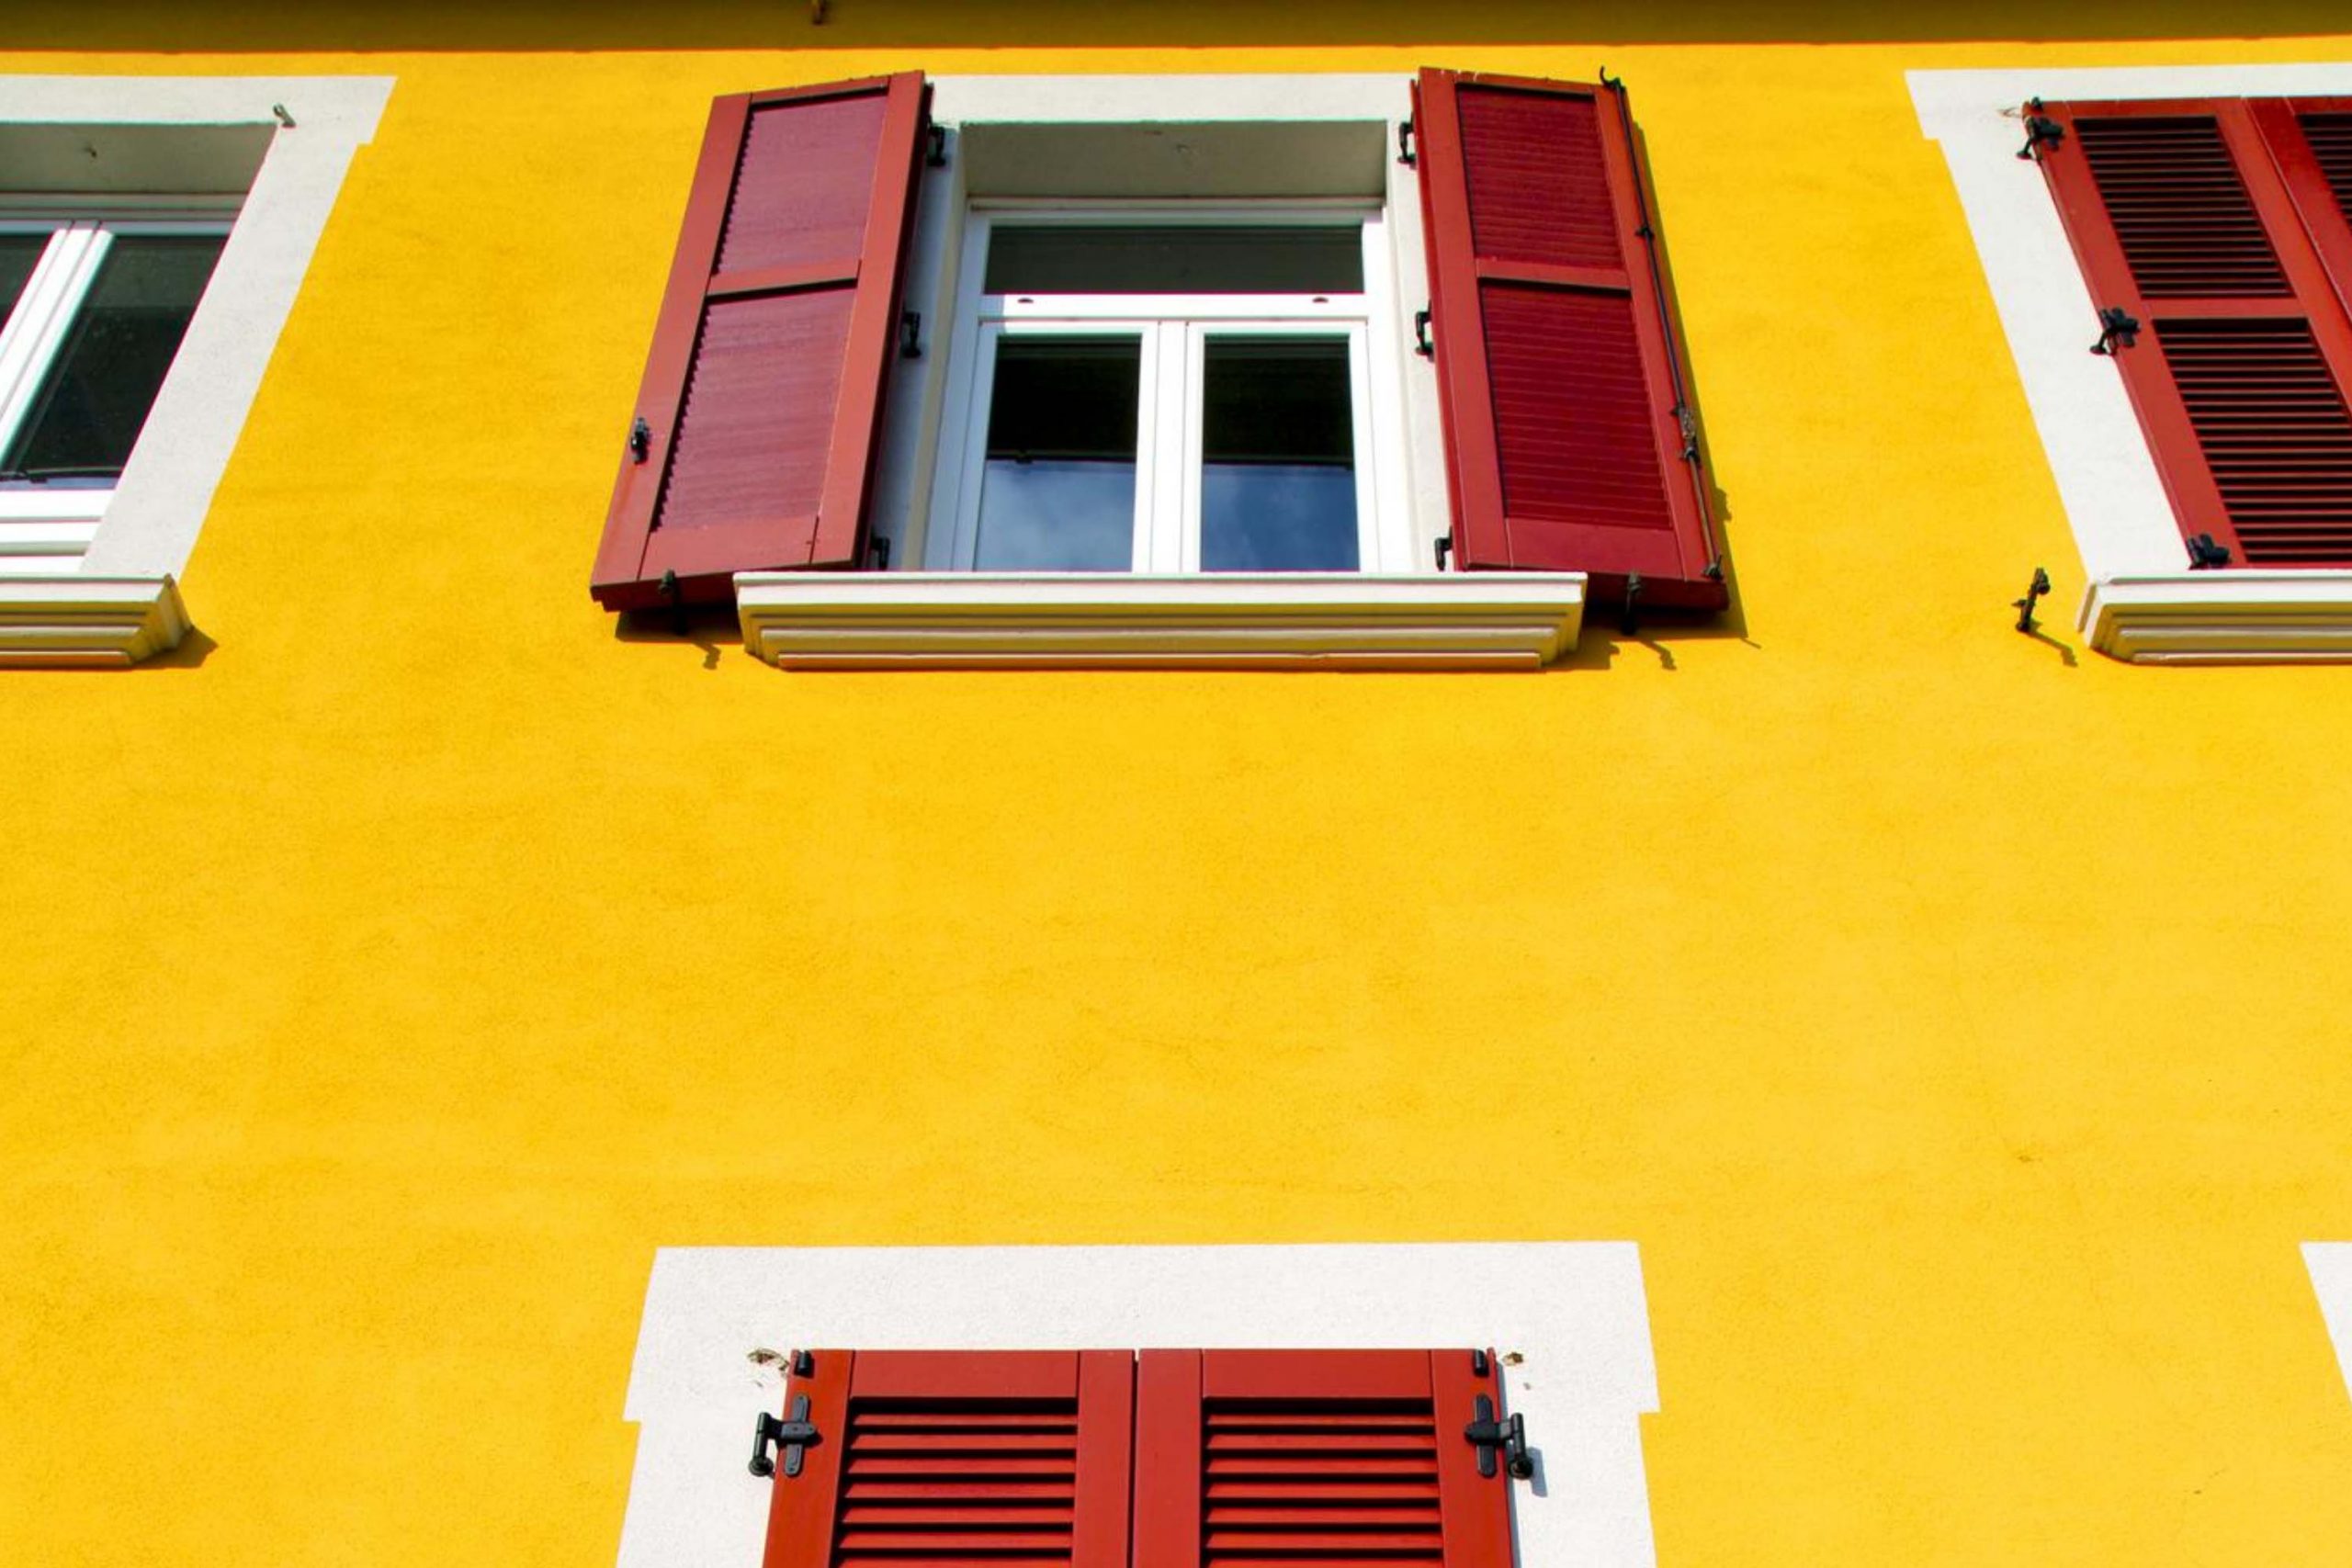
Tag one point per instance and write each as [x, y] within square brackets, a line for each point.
[100, 622]
[2222, 617]
[1111, 620]
[1575, 1314]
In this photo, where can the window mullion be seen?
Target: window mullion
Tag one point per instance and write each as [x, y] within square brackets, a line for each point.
[53, 298]
[1160, 544]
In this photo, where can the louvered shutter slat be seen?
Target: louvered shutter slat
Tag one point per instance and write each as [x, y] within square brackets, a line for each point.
[2212, 222]
[1331, 1459]
[761, 395]
[1557, 378]
[994, 1458]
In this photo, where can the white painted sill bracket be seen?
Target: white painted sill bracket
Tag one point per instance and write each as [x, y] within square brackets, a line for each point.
[2143, 605]
[911, 620]
[121, 602]
[718, 1320]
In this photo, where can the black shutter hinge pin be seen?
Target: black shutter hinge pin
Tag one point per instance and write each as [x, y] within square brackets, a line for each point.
[936, 154]
[793, 1437]
[1507, 1438]
[2118, 328]
[2041, 131]
[1630, 623]
[911, 334]
[641, 440]
[1422, 344]
[1444, 548]
[1405, 142]
[2034, 593]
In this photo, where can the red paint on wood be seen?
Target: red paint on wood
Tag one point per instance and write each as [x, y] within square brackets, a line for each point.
[2211, 221]
[763, 391]
[1565, 447]
[959, 1456]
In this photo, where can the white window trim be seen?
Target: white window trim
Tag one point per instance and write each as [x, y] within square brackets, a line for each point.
[117, 600]
[2143, 602]
[1401, 614]
[718, 1320]
[2330, 1263]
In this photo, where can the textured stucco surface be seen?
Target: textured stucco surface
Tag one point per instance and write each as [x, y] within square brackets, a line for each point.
[1953, 1022]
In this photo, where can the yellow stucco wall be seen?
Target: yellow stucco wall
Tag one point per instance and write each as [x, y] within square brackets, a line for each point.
[1952, 1020]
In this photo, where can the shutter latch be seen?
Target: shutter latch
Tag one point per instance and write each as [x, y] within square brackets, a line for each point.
[1509, 1436]
[793, 1437]
[2041, 131]
[2118, 328]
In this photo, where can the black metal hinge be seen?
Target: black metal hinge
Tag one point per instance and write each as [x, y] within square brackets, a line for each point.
[792, 1435]
[2041, 131]
[2206, 551]
[1405, 142]
[641, 440]
[2118, 328]
[935, 155]
[1422, 344]
[909, 335]
[1506, 1438]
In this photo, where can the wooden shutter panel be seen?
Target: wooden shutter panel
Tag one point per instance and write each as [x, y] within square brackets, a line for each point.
[2181, 214]
[1347, 1459]
[763, 392]
[959, 1456]
[1567, 443]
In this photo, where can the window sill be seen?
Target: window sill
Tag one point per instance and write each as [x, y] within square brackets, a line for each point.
[2222, 617]
[1224, 621]
[106, 622]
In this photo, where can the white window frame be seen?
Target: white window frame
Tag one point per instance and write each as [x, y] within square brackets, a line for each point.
[46, 527]
[1173, 329]
[1570, 1319]
[1266, 144]
[96, 582]
[2141, 601]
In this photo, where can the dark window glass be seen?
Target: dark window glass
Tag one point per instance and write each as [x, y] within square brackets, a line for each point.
[87, 413]
[1278, 482]
[1087, 259]
[1059, 490]
[18, 256]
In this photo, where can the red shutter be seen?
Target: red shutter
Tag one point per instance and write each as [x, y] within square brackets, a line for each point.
[931, 1457]
[2184, 214]
[1565, 438]
[1349, 1458]
[763, 392]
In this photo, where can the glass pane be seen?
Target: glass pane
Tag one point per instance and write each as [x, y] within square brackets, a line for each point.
[18, 252]
[1060, 491]
[1085, 259]
[89, 410]
[1278, 480]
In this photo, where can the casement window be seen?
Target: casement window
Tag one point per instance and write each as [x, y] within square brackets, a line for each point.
[92, 313]
[2169, 249]
[1029, 372]
[1162, 1459]
[154, 233]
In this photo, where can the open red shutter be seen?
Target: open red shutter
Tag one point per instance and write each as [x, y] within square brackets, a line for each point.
[2182, 216]
[1567, 441]
[763, 392]
[959, 1456]
[1347, 1459]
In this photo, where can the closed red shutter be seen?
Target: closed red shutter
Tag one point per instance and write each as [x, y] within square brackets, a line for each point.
[2184, 215]
[932, 1457]
[1346, 1458]
[1569, 445]
[763, 393]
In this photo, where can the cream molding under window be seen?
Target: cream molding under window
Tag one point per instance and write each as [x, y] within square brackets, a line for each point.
[80, 137]
[1210, 620]
[2143, 602]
